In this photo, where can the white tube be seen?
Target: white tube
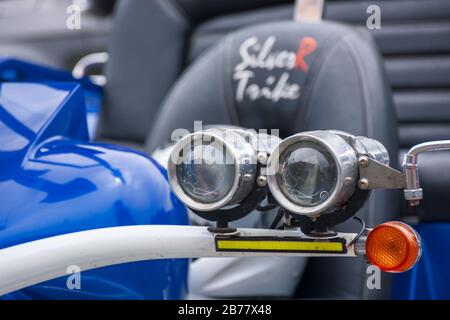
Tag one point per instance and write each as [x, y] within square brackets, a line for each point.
[41, 260]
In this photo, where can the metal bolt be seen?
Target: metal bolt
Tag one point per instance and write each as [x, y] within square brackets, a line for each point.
[261, 181]
[363, 161]
[363, 184]
[413, 196]
[262, 157]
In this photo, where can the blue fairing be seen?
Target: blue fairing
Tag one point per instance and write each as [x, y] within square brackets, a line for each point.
[54, 181]
[12, 70]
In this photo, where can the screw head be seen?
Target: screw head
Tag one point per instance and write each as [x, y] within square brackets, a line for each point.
[363, 161]
[261, 181]
[363, 184]
[262, 157]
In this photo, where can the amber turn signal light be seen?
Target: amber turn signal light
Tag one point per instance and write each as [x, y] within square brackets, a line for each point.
[393, 247]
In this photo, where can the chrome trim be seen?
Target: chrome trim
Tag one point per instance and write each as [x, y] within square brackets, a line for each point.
[346, 164]
[243, 158]
[413, 193]
[88, 62]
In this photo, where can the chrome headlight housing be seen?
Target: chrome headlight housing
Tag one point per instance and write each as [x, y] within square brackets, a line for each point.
[314, 173]
[212, 169]
[319, 178]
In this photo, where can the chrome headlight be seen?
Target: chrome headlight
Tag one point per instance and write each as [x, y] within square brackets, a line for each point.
[320, 178]
[317, 172]
[212, 169]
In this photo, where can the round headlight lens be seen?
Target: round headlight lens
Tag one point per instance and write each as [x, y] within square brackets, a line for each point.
[204, 174]
[307, 174]
[212, 169]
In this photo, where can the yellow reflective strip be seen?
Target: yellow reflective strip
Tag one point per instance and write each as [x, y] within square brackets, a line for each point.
[279, 245]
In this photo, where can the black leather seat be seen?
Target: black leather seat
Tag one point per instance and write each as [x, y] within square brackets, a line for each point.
[154, 41]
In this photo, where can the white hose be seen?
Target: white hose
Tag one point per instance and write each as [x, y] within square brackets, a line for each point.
[41, 260]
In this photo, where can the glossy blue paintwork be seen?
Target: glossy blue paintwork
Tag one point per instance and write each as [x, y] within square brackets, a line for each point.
[54, 181]
[430, 278]
[13, 70]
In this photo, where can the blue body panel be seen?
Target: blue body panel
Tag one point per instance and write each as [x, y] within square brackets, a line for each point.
[53, 181]
[12, 70]
[430, 278]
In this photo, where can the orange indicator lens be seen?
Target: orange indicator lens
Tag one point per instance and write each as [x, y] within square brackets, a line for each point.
[393, 247]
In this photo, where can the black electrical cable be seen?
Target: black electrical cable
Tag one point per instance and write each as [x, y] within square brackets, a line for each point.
[266, 208]
[280, 214]
[363, 227]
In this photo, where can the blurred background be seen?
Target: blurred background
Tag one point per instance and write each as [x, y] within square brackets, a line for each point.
[35, 30]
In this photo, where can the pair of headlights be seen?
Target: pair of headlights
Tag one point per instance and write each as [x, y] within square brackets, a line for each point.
[308, 174]
[319, 178]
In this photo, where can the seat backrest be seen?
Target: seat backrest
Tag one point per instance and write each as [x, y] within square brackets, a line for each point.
[149, 44]
[287, 76]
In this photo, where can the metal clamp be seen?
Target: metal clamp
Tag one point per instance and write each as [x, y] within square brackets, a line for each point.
[376, 175]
